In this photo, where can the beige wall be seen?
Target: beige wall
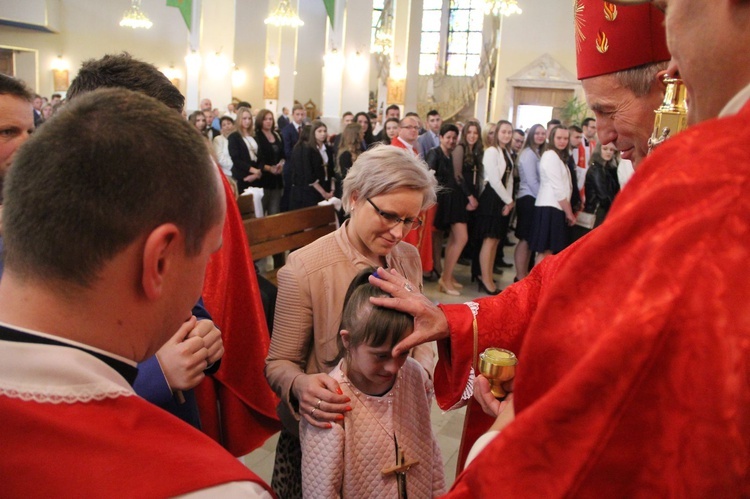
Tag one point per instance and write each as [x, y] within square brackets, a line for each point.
[546, 26]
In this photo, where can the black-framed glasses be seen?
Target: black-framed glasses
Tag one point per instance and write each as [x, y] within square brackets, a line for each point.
[392, 220]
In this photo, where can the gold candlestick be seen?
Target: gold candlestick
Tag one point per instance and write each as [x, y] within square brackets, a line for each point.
[671, 117]
[498, 366]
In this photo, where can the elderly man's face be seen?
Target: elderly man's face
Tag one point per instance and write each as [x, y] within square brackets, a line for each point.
[16, 125]
[621, 117]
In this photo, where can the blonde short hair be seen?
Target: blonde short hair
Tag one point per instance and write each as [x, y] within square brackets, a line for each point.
[383, 169]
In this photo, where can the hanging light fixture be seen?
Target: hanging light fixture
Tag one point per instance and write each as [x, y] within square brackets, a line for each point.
[134, 17]
[501, 7]
[284, 15]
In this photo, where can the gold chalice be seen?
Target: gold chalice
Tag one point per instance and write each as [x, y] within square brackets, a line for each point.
[498, 366]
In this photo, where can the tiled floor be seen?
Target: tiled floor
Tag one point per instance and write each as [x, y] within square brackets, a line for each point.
[447, 426]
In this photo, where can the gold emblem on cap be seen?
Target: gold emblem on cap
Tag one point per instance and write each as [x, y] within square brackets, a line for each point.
[602, 42]
[579, 23]
[610, 11]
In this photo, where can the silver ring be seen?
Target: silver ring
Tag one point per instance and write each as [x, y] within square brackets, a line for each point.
[317, 406]
[312, 413]
[408, 287]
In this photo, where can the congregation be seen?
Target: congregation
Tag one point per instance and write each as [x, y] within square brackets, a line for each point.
[138, 348]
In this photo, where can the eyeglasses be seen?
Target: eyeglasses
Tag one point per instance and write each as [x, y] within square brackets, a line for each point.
[392, 220]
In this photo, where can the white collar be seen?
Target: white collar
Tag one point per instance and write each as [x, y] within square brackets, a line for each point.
[736, 103]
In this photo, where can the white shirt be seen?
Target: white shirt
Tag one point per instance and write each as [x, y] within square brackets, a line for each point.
[494, 169]
[221, 148]
[555, 183]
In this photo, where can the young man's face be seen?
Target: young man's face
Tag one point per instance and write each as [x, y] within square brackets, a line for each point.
[434, 122]
[575, 138]
[298, 116]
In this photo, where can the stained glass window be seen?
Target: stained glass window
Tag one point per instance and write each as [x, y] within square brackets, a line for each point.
[432, 15]
[464, 37]
[377, 11]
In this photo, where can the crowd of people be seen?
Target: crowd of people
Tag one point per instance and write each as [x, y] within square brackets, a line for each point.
[633, 339]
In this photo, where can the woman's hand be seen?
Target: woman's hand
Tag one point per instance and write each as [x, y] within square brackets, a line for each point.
[570, 218]
[507, 209]
[321, 400]
[473, 204]
[429, 321]
[503, 411]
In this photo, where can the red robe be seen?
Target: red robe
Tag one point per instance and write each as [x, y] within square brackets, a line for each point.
[73, 427]
[633, 344]
[422, 236]
[246, 415]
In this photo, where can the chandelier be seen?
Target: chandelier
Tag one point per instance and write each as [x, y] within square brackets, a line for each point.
[135, 18]
[501, 7]
[284, 15]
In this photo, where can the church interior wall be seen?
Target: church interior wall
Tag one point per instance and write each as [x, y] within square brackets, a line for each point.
[90, 29]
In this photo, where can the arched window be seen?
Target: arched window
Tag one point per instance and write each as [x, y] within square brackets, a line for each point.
[451, 37]
[465, 21]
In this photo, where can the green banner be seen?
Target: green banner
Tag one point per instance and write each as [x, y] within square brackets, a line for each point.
[186, 9]
[331, 9]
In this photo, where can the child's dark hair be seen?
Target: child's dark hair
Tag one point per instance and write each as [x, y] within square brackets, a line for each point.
[369, 324]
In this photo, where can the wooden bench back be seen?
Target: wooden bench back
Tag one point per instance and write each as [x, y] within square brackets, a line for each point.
[246, 205]
[288, 231]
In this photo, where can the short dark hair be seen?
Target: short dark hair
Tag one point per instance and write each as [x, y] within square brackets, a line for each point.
[123, 71]
[448, 127]
[297, 107]
[15, 87]
[518, 130]
[553, 122]
[433, 112]
[243, 103]
[226, 118]
[73, 201]
[412, 113]
[575, 128]
[586, 122]
[392, 107]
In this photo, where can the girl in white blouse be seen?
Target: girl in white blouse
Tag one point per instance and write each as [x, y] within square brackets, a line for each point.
[495, 202]
[553, 210]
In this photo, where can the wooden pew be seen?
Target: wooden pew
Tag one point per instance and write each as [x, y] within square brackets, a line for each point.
[277, 234]
[246, 206]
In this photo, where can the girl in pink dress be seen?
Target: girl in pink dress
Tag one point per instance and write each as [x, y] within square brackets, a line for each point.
[384, 446]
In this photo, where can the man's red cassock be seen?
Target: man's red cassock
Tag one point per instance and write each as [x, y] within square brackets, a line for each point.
[633, 344]
[237, 407]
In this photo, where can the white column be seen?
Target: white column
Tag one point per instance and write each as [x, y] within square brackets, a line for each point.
[356, 73]
[210, 53]
[217, 50]
[407, 35]
[281, 50]
[332, 72]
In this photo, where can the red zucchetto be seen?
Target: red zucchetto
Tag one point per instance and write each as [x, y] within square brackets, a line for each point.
[610, 38]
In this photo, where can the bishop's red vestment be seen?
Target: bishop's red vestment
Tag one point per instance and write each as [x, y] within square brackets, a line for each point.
[633, 344]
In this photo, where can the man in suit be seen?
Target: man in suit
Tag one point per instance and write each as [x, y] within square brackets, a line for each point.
[284, 119]
[431, 138]
[290, 136]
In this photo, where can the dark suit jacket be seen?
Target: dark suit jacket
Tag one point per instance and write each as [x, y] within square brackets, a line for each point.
[283, 121]
[290, 136]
